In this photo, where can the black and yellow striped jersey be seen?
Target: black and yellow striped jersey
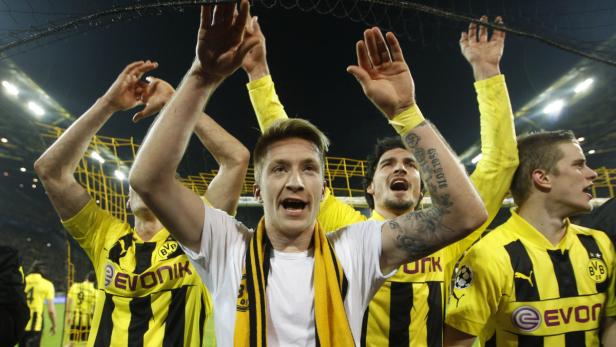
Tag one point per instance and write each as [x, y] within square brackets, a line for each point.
[38, 290]
[514, 288]
[409, 308]
[148, 294]
[80, 310]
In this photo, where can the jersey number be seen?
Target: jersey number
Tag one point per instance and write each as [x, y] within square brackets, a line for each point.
[80, 297]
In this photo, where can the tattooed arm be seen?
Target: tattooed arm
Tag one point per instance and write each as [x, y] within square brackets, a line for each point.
[456, 207]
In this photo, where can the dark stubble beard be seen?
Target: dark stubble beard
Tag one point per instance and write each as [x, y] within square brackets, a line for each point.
[399, 207]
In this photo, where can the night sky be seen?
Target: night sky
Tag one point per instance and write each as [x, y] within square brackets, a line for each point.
[307, 54]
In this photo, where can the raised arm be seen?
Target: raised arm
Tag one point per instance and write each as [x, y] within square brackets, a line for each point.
[232, 157]
[261, 90]
[221, 46]
[456, 208]
[56, 167]
[499, 152]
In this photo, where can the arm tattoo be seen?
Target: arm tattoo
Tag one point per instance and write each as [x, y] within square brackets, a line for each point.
[422, 232]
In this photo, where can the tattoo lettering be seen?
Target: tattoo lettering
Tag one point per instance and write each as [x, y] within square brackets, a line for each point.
[437, 168]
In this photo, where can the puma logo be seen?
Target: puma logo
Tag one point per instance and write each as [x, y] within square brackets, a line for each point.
[524, 277]
[453, 294]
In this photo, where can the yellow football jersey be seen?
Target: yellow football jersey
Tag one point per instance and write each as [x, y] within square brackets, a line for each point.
[514, 288]
[82, 296]
[148, 294]
[38, 289]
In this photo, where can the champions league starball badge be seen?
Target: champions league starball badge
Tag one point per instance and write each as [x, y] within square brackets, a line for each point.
[464, 277]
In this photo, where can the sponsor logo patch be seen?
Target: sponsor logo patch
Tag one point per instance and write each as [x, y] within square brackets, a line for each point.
[526, 318]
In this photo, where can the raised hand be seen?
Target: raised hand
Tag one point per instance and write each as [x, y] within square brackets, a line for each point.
[255, 61]
[223, 41]
[156, 94]
[126, 91]
[383, 74]
[483, 53]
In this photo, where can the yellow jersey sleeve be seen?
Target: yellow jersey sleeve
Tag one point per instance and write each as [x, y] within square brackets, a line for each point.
[265, 102]
[477, 289]
[499, 155]
[610, 305]
[92, 226]
[335, 214]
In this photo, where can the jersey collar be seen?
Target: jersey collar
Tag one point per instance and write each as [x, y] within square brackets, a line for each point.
[529, 233]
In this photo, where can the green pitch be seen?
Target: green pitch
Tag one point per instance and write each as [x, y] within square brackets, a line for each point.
[56, 340]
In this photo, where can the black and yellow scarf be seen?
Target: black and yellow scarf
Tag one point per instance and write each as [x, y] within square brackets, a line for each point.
[330, 286]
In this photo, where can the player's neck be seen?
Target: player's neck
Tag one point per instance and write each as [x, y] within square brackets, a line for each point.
[146, 227]
[388, 213]
[548, 221]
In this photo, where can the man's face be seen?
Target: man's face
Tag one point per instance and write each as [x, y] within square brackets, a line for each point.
[291, 186]
[396, 185]
[135, 204]
[571, 186]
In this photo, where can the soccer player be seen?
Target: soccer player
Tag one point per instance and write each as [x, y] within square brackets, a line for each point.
[288, 283]
[409, 308]
[149, 294]
[539, 280]
[38, 291]
[80, 302]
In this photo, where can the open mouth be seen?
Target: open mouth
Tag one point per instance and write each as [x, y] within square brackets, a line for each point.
[588, 190]
[293, 204]
[399, 185]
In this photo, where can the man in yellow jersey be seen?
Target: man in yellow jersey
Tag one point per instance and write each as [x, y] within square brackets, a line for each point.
[149, 294]
[538, 279]
[38, 291]
[80, 302]
[409, 307]
[289, 283]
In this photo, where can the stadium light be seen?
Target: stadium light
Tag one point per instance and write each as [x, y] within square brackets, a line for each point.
[583, 86]
[36, 109]
[33, 186]
[554, 107]
[592, 151]
[97, 157]
[581, 139]
[4, 140]
[119, 175]
[22, 169]
[476, 158]
[10, 88]
[35, 180]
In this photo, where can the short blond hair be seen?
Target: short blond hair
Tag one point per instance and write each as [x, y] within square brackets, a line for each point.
[285, 129]
[539, 150]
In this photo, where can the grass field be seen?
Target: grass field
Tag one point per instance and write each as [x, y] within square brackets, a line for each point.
[56, 340]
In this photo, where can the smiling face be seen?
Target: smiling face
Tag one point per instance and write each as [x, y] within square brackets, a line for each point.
[571, 181]
[291, 186]
[396, 185]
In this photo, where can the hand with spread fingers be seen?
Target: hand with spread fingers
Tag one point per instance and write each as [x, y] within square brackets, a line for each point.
[127, 90]
[482, 52]
[255, 61]
[223, 40]
[382, 72]
[156, 94]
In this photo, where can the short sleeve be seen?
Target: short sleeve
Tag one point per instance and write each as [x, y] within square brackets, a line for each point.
[335, 214]
[221, 253]
[358, 248]
[476, 291]
[91, 226]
